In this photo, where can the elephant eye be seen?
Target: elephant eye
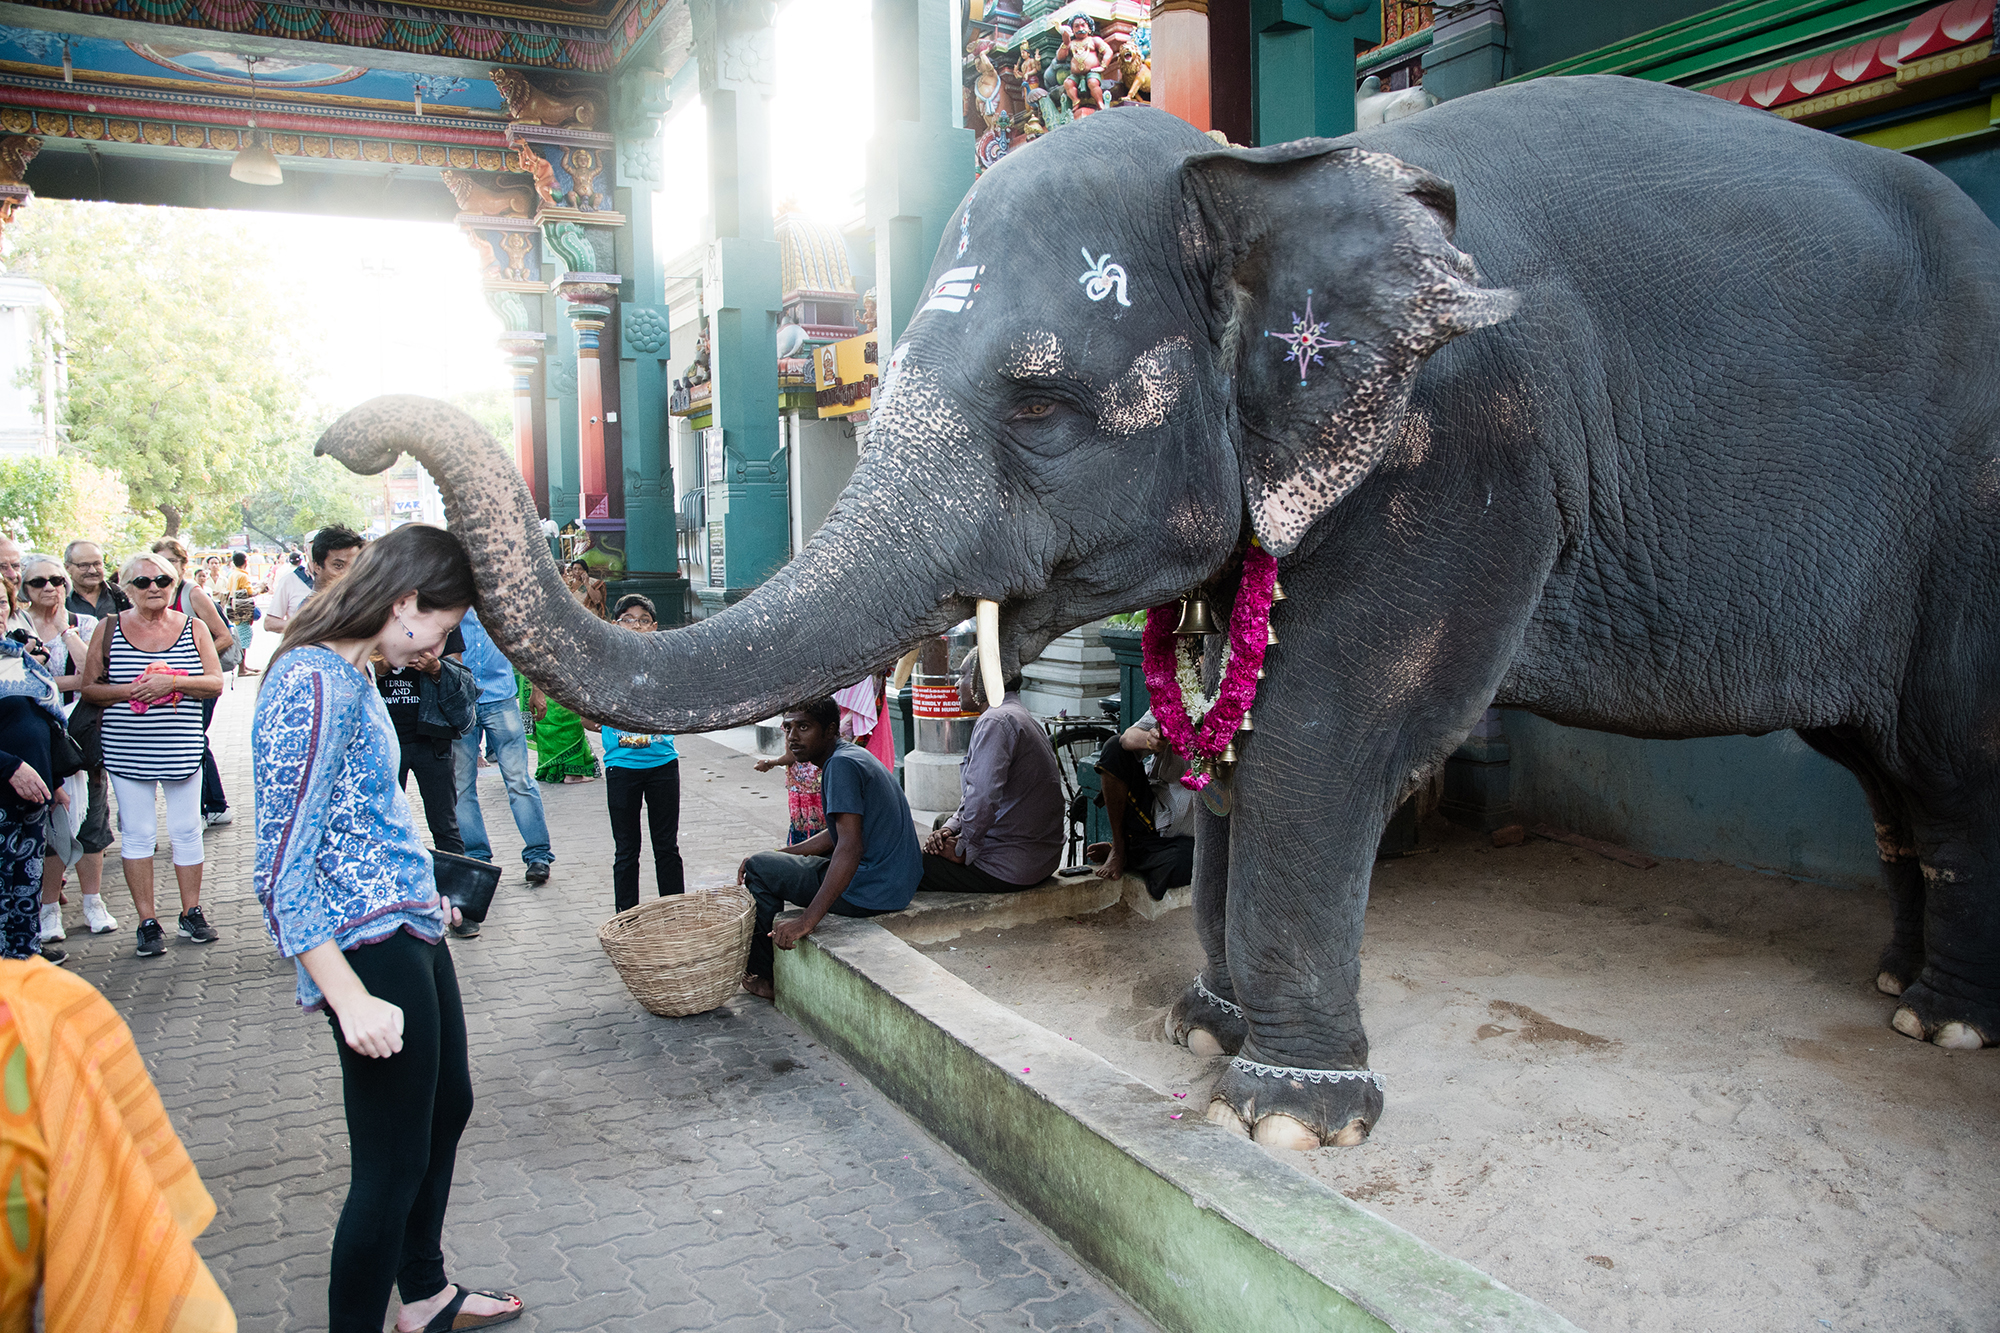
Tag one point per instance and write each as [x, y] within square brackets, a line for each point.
[1036, 411]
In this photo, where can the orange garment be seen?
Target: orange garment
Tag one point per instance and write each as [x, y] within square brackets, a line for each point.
[99, 1203]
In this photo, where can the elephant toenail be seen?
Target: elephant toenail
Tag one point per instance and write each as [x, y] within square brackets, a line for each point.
[1353, 1135]
[1888, 983]
[1202, 1042]
[1222, 1113]
[1958, 1037]
[1279, 1130]
[1907, 1023]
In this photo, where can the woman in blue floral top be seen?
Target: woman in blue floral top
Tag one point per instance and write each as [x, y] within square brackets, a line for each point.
[348, 892]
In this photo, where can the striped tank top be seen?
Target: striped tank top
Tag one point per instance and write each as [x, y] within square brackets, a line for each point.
[164, 743]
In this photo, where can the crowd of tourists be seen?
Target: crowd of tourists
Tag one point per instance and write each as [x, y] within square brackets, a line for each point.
[109, 680]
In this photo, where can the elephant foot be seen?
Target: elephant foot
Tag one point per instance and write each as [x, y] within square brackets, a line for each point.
[1945, 1020]
[1300, 1109]
[1898, 970]
[1206, 1023]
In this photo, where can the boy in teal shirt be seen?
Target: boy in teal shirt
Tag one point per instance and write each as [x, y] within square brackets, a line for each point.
[642, 769]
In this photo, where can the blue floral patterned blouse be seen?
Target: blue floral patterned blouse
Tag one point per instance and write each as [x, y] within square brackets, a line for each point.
[338, 854]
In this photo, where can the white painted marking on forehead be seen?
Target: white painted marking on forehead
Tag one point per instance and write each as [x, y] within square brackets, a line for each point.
[955, 290]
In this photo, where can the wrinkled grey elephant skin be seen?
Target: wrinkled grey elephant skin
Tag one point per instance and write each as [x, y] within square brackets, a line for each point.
[1625, 405]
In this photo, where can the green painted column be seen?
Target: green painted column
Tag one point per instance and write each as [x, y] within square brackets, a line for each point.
[565, 482]
[652, 552]
[748, 493]
[1302, 72]
[919, 161]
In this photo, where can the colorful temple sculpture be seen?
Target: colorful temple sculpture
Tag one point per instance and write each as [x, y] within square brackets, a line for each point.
[1030, 69]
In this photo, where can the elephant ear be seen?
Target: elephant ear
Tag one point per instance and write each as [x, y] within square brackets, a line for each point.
[1332, 275]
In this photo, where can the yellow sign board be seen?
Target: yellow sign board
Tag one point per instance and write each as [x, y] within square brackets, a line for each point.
[844, 375]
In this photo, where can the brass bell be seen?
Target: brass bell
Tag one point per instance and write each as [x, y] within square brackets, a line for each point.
[1277, 591]
[1272, 632]
[1246, 722]
[1260, 673]
[1195, 618]
[1228, 754]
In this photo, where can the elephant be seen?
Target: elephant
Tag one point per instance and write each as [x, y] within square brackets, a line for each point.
[1630, 407]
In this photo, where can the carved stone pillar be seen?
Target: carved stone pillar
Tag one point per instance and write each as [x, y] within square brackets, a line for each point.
[589, 297]
[524, 357]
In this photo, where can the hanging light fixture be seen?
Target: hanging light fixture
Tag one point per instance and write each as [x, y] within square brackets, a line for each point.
[255, 163]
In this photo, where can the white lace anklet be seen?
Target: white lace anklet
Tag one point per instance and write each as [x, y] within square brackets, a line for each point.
[1233, 1010]
[1309, 1075]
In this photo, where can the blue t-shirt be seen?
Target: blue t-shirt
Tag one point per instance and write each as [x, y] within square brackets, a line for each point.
[645, 752]
[488, 665]
[853, 782]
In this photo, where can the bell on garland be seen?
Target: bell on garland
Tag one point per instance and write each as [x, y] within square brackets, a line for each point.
[1228, 754]
[1246, 722]
[1271, 630]
[1260, 673]
[1195, 618]
[1277, 591]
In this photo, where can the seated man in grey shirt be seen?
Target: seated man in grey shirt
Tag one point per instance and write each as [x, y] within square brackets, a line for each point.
[1008, 832]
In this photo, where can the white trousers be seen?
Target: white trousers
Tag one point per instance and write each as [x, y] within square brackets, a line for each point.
[139, 828]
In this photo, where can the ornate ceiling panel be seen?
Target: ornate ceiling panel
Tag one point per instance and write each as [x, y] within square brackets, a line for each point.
[582, 36]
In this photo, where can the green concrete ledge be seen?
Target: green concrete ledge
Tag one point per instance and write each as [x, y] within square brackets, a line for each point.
[1196, 1226]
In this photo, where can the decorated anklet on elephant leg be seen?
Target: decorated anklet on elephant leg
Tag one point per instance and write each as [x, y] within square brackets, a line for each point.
[1205, 1023]
[1295, 1107]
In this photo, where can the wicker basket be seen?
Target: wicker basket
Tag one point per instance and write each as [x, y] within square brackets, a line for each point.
[683, 954]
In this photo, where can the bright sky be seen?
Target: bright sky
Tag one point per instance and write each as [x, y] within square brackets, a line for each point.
[822, 117]
[397, 305]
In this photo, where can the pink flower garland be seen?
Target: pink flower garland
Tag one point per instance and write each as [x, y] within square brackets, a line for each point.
[1249, 632]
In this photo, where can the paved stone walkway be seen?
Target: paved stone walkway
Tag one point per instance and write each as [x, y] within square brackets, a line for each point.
[620, 1170]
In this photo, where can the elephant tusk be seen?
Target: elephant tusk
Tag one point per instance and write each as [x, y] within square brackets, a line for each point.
[990, 673]
[904, 666]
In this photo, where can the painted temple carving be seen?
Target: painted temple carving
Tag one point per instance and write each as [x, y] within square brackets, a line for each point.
[563, 103]
[16, 151]
[1031, 66]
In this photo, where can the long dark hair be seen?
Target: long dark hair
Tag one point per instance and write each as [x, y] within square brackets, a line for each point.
[417, 558]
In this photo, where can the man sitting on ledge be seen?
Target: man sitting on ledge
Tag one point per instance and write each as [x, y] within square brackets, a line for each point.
[863, 863]
[1150, 812]
[1008, 833]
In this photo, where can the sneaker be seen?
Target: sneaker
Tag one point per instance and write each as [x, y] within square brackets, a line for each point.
[51, 954]
[538, 872]
[97, 916]
[194, 926]
[152, 939]
[52, 921]
[217, 818]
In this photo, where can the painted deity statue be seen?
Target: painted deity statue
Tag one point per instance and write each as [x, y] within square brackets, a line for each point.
[1087, 55]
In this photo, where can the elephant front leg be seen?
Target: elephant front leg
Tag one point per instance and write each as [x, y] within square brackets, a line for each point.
[1300, 1079]
[1206, 1018]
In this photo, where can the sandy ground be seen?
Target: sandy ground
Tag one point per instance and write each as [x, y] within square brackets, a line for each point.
[1661, 1099]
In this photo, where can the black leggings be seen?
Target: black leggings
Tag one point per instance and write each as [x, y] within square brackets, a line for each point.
[660, 788]
[404, 1116]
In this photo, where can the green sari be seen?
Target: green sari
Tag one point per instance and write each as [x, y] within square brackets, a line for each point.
[562, 748]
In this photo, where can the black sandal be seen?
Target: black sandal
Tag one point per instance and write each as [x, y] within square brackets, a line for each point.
[449, 1319]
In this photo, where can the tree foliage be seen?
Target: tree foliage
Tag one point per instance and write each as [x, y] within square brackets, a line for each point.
[298, 493]
[47, 502]
[184, 377]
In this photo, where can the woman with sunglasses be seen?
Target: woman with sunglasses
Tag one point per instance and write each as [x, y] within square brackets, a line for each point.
[191, 599]
[65, 635]
[150, 667]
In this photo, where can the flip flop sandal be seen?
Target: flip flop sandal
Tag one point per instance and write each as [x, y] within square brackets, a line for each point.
[449, 1319]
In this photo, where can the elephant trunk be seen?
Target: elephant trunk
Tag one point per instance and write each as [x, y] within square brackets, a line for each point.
[818, 625]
